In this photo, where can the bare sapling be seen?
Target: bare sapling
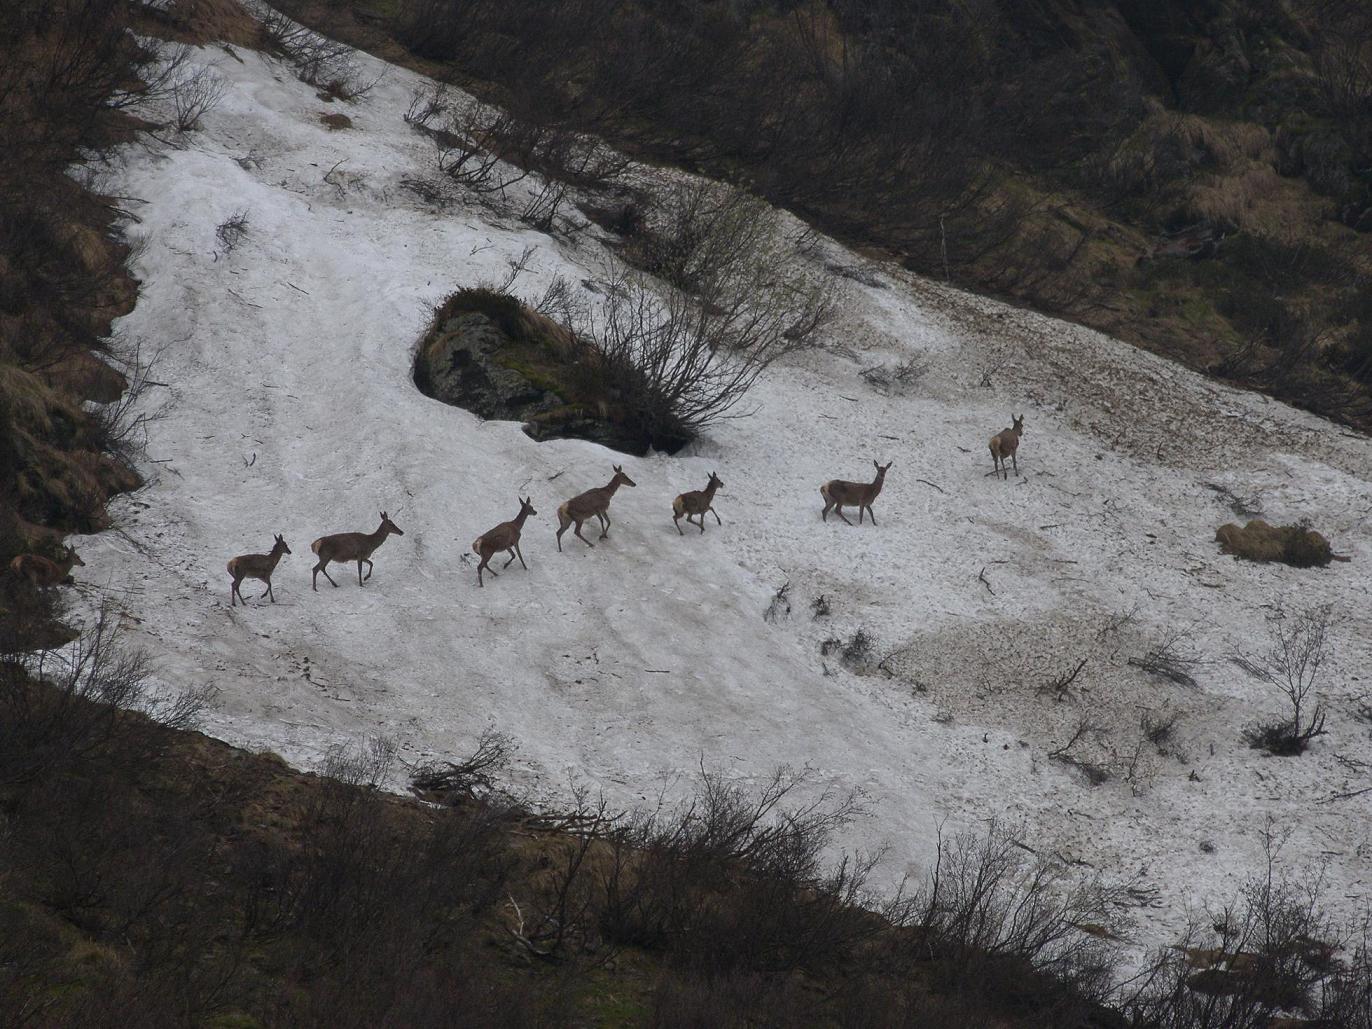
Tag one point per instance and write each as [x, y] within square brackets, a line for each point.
[1004, 444]
[594, 502]
[256, 566]
[696, 503]
[351, 546]
[503, 538]
[839, 494]
[40, 571]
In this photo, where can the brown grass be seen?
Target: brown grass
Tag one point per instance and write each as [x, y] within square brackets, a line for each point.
[336, 122]
[1295, 545]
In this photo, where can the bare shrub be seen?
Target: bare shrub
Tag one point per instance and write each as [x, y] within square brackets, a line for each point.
[427, 102]
[194, 95]
[1084, 730]
[324, 63]
[120, 427]
[760, 846]
[474, 778]
[681, 362]
[998, 922]
[779, 606]
[1271, 952]
[1170, 658]
[61, 704]
[1299, 646]
[897, 377]
[1159, 727]
[230, 232]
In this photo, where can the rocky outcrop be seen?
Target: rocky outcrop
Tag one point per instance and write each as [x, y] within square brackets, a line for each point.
[470, 360]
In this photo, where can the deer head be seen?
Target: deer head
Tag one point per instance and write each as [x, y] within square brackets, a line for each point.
[715, 482]
[280, 546]
[388, 526]
[74, 558]
[526, 507]
[1018, 424]
[621, 479]
[881, 469]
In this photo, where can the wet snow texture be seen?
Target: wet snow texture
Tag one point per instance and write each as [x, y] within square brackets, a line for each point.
[291, 409]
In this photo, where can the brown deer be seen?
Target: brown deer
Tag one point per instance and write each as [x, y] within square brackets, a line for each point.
[837, 493]
[40, 571]
[697, 502]
[593, 502]
[1004, 444]
[504, 536]
[350, 546]
[256, 566]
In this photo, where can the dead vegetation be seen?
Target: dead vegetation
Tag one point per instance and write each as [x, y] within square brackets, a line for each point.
[1297, 545]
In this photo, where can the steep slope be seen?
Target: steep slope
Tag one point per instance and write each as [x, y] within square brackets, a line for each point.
[291, 409]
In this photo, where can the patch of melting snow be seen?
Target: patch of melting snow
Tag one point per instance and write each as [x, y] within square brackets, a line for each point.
[293, 411]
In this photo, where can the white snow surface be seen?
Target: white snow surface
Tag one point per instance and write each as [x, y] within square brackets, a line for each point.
[290, 407]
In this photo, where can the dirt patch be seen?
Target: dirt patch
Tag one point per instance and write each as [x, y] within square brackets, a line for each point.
[336, 122]
[1296, 545]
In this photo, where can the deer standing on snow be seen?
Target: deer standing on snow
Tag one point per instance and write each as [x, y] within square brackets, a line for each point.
[837, 494]
[504, 537]
[1004, 444]
[697, 502]
[350, 546]
[256, 566]
[40, 571]
[593, 502]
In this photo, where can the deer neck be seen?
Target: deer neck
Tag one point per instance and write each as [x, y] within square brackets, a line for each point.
[378, 537]
[274, 558]
[614, 485]
[521, 518]
[65, 566]
[710, 492]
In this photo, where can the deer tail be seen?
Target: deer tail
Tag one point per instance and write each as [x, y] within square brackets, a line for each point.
[824, 492]
[315, 545]
[678, 506]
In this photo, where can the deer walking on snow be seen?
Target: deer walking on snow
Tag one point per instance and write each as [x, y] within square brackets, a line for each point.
[593, 502]
[1004, 444]
[696, 503]
[504, 537]
[350, 546]
[838, 494]
[40, 571]
[256, 566]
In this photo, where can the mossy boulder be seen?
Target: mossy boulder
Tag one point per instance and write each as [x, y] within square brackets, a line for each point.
[489, 354]
[1295, 545]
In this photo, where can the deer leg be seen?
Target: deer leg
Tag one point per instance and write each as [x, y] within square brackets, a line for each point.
[1015, 460]
[560, 530]
[322, 567]
[701, 516]
[511, 560]
[604, 524]
[479, 582]
[233, 588]
[838, 509]
[269, 592]
[369, 567]
[521, 556]
[676, 520]
[715, 513]
[872, 514]
[583, 539]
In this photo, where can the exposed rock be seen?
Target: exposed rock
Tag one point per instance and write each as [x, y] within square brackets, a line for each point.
[465, 362]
